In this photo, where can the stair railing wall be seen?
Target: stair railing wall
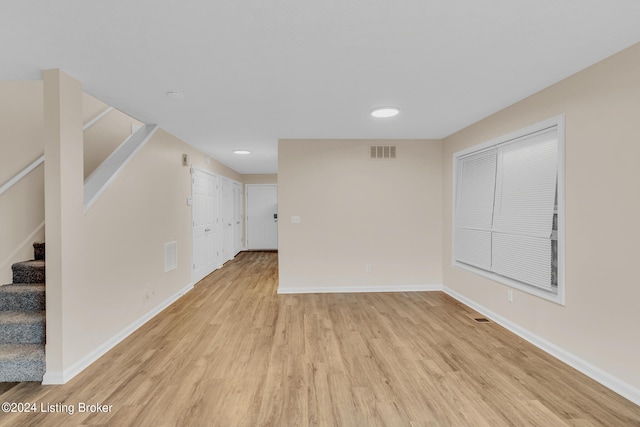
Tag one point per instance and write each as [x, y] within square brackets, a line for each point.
[97, 118]
[24, 172]
[94, 185]
[37, 162]
[106, 173]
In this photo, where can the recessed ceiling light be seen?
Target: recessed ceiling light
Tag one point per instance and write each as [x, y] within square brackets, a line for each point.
[385, 112]
[241, 152]
[175, 94]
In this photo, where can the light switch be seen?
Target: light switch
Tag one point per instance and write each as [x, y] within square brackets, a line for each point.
[295, 219]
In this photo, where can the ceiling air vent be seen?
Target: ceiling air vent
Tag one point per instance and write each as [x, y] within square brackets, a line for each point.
[382, 152]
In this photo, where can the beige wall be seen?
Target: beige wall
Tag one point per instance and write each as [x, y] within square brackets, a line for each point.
[102, 139]
[21, 142]
[107, 265]
[123, 239]
[91, 107]
[206, 163]
[356, 211]
[599, 322]
[260, 179]
[123, 234]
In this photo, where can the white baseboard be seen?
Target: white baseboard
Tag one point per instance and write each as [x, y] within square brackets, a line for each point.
[613, 383]
[57, 377]
[358, 289]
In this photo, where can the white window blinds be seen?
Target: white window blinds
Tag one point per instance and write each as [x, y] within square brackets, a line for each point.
[474, 208]
[505, 205]
[526, 177]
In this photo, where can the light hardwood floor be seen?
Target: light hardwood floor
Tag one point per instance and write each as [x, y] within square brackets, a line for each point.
[234, 353]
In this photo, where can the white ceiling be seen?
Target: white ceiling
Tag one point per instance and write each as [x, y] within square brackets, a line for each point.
[253, 71]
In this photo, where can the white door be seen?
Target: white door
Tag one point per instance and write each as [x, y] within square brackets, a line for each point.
[237, 212]
[262, 216]
[204, 212]
[227, 220]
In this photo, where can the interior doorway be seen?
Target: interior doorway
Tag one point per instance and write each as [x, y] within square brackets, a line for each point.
[262, 216]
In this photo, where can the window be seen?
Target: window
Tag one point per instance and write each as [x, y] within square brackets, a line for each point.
[508, 212]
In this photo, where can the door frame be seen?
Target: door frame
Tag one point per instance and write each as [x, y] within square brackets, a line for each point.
[246, 210]
[232, 210]
[217, 263]
[239, 209]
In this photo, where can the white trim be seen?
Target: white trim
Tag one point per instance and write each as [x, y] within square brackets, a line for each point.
[107, 172]
[242, 209]
[97, 118]
[560, 237]
[24, 172]
[360, 289]
[538, 292]
[615, 384]
[537, 127]
[57, 377]
[53, 378]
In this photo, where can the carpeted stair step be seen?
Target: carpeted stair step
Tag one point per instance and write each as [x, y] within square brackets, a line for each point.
[29, 272]
[22, 327]
[22, 321]
[21, 362]
[38, 251]
[27, 297]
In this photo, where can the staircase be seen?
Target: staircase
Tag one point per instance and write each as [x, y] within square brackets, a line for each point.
[22, 321]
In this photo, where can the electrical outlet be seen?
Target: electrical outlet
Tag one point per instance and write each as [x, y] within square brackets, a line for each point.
[509, 295]
[368, 268]
[149, 292]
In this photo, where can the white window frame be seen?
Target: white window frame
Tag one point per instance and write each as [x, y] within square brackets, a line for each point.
[559, 123]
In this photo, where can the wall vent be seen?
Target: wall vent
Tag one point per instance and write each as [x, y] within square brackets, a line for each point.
[170, 256]
[387, 152]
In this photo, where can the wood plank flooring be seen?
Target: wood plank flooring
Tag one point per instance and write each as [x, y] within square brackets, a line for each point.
[234, 353]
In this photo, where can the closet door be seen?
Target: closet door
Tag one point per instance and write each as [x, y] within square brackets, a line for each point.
[237, 213]
[205, 213]
[228, 219]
